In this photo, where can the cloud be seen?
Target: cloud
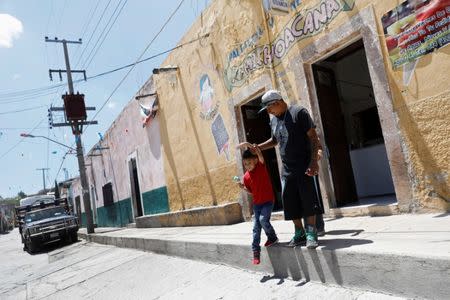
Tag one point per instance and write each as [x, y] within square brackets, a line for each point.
[112, 104]
[10, 29]
[16, 76]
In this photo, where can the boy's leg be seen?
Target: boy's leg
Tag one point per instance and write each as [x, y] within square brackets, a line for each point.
[256, 228]
[264, 219]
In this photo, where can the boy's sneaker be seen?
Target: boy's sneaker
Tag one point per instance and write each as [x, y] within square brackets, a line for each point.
[271, 242]
[256, 258]
[311, 239]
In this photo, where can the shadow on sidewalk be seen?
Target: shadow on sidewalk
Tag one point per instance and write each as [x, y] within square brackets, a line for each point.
[301, 263]
[354, 232]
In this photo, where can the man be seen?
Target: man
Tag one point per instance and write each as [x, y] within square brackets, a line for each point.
[294, 131]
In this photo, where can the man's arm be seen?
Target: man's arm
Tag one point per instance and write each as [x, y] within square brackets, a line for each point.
[270, 143]
[316, 152]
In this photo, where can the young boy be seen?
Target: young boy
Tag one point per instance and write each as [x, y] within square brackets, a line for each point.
[257, 182]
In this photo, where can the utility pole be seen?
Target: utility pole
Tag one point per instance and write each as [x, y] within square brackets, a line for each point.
[74, 104]
[43, 175]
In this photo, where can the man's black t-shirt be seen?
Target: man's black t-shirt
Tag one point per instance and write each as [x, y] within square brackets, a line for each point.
[289, 130]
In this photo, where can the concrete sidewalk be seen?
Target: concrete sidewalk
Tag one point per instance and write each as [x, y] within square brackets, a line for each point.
[405, 255]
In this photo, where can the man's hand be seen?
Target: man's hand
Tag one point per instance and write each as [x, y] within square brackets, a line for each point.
[313, 168]
[244, 145]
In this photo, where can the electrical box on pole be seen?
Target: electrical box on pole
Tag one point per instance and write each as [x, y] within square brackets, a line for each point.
[75, 107]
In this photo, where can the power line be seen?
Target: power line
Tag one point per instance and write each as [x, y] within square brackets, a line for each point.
[21, 110]
[137, 60]
[102, 35]
[36, 91]
[93, 32]
[106, 35]
[21, 140]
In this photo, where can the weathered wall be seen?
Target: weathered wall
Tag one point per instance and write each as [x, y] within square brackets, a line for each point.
[128, 138]
[234, 57]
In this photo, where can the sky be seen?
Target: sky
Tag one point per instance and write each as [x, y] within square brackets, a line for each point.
[114, 33]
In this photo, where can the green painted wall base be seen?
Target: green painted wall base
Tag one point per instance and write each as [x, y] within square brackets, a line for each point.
[156, 201]
[120, 213]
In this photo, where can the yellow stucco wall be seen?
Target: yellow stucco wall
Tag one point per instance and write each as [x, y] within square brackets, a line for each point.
[198, 175]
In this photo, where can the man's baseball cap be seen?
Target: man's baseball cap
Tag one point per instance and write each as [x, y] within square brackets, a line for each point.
[268, 98]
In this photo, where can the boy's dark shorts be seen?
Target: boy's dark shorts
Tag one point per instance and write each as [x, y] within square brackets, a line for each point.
[300, 196]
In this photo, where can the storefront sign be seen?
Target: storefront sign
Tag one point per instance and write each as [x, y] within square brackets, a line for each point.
[304, 24]
[416, 28]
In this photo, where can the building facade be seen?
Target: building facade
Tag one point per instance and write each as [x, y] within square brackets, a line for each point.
[373, 75]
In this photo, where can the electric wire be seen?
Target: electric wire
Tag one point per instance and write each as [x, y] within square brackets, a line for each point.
[104, 35]
[21, 140]
[92, 34]
[138, 59]
[30, 93]
[21, 110]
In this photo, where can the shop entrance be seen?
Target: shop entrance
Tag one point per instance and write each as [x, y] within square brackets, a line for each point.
[353, 135]
[135, 190]
[257, 130]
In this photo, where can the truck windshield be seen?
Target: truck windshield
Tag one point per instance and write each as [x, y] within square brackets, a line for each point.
[44, 214]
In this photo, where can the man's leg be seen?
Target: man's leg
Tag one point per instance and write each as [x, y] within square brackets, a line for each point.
[311, 232]
[320, 225]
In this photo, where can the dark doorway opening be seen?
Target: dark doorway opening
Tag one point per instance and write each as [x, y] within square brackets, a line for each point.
[135, 191]
[257, 130]
[353, 135]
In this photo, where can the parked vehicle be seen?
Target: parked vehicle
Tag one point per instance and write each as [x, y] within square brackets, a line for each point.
[46, 222]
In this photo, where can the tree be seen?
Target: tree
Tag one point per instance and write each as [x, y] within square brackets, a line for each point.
[21, 195]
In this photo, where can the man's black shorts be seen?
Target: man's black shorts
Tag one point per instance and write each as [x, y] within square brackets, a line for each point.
[300, 196]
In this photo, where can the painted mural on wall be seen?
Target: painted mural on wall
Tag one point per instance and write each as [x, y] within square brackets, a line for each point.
[416, 28]
[208, 105]
[304, 24]
[221, 137]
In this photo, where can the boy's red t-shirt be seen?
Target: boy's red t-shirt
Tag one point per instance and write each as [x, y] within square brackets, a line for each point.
[258, 183]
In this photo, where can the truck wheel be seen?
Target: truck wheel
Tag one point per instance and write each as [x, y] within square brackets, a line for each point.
[32, 246]
[74, 237]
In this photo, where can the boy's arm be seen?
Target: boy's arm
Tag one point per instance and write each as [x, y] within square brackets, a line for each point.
[258, 153]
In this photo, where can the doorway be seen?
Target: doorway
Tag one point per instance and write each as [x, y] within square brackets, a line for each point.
[354, 140]
[135, 190]
[257, 130]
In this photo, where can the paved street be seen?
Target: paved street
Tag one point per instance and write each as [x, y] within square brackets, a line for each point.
[88, 270]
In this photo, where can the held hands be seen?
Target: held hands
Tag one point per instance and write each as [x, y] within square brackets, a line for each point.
[254, 148]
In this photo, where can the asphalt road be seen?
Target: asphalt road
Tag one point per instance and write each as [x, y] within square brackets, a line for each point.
[87, 271]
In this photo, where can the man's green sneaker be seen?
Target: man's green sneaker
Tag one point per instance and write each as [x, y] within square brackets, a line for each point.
[298, 238]
[311, 239]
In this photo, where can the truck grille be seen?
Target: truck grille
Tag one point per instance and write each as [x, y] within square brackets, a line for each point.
[53, 226]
